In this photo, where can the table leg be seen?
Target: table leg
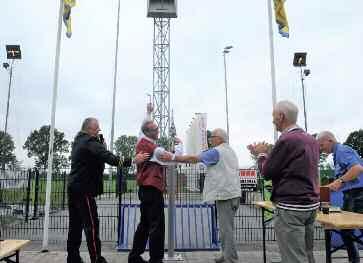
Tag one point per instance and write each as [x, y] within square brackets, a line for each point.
[327, 246]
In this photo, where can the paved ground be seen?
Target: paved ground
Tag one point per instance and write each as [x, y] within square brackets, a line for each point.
[247, 254]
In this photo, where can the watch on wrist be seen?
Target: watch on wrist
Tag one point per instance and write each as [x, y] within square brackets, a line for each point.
[341, 180]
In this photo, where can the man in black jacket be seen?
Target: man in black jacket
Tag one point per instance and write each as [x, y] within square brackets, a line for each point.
[89, 155]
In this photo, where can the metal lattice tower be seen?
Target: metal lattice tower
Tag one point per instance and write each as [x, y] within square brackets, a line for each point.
[161, 74]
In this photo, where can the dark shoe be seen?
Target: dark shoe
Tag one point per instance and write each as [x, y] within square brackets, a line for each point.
[101, 260]
[75, 260]
[219, 259]
[137, 259]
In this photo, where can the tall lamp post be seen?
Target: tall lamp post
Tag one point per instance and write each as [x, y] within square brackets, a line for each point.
[300, 62]
[12, 52]
[226, 50]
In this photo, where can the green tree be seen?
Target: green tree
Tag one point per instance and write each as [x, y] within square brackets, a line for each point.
[126, 145]
[355, 140]
[326, 172]
[37, 145]
[7, 147]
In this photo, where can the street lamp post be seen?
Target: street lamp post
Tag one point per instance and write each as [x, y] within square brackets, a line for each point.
[12, 52]
[6, 65]
[300, 62]
[226, 50]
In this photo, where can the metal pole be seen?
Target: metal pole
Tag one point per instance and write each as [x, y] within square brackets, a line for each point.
[115, 79]
[303, 94]
[171, 201]
[225, 86]
[8, 103]
[272, 60]
[171, 212]
[51, 141]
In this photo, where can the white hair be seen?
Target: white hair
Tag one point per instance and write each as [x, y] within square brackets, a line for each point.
[87, 124]
[289, 109]
[221, 134]
[326, 135]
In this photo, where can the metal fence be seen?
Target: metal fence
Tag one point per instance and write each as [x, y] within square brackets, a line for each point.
[22, 200]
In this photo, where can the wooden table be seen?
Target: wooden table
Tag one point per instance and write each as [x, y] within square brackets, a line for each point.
[335, 222]
[11, 248]
[332, 222]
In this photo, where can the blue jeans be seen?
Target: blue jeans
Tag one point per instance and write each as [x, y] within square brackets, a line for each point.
[353, 202]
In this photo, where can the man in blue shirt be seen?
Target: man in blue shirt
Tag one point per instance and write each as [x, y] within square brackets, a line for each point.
[221, 185]
[349, 179]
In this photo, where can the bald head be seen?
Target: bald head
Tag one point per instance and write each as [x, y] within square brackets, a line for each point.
[326, 135]
[326, 141]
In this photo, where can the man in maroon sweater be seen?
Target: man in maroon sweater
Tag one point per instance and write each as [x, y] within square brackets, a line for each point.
[292, 166]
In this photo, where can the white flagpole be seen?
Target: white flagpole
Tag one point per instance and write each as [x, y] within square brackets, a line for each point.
[51, 141]
[272, 60]
[115, 79]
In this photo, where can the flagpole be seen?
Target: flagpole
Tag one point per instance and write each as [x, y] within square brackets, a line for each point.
[115, 79]
[51, 141]
[272, 60]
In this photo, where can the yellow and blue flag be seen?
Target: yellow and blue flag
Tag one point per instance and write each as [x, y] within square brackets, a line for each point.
[67, 7]
[281, 18]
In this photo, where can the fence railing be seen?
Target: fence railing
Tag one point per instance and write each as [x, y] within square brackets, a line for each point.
[22, 200]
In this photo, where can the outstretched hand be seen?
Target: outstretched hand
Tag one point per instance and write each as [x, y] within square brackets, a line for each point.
[166, 157]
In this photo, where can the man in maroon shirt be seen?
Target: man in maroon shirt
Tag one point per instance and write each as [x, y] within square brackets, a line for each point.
[292, 166]
[151, 180]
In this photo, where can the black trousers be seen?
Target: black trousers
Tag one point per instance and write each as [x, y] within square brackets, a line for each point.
[151, 226]
[83, 216]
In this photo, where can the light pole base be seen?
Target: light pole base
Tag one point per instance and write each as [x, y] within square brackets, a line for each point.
[175, 258]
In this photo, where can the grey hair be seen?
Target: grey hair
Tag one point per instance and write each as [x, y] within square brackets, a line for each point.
[289, 109]
[87, 123]
[144, 126]
[326, 135]
[221, 134]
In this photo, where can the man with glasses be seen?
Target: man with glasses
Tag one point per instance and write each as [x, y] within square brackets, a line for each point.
[151, 180]
[221, 185]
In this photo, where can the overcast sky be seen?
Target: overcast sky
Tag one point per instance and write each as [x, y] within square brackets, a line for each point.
[330, 31]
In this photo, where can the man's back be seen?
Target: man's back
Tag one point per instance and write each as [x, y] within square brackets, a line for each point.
[293, 168]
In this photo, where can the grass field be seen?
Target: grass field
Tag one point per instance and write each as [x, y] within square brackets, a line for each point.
[58, 194]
